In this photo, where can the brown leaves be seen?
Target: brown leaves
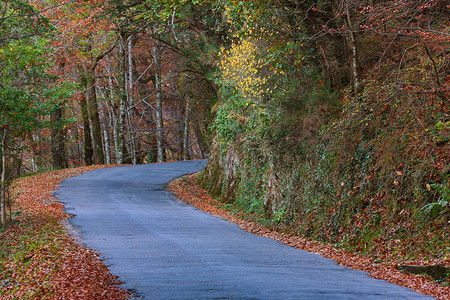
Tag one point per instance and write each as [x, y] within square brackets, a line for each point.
[189, 191]
[44, 261]
[83, 275]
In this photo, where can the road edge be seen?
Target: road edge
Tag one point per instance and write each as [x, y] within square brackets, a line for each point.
[188, 190]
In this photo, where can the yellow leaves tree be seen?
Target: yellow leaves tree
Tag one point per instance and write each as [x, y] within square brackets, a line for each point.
[240, 67]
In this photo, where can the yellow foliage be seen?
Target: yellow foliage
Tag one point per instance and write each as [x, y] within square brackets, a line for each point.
[240, 67]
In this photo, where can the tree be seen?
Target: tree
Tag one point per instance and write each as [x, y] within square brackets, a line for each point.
[81, 47]
[29, 93]
[187, 31]
[127, 96]
[57, 136]
[159, 116]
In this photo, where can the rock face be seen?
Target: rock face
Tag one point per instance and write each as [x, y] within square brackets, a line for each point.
[226, 172]
[273, 199]
[221, 174]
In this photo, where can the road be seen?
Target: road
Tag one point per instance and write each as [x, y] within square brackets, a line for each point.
[163, 248]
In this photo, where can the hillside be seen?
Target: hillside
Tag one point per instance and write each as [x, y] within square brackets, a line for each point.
[333, 123]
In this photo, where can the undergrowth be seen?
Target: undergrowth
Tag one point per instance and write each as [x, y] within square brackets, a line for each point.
[374, 180]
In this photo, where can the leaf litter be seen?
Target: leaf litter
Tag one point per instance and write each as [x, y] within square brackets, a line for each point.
[39, 259]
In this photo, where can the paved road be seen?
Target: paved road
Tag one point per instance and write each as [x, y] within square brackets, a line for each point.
[165, 249]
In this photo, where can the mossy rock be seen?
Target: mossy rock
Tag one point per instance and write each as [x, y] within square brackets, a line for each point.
[438, 272]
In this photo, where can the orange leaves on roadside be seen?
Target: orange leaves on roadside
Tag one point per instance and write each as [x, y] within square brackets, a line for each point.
[44, 261]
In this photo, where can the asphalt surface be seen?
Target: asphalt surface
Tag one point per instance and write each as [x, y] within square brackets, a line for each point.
[163, 248]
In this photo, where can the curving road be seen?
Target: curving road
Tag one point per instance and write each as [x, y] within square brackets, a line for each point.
[165, 249]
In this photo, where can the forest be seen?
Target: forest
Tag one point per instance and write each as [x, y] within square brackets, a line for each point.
[329, 118]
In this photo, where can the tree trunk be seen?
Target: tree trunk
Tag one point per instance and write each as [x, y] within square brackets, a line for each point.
[200, 140]
[115, 124]
[103, 110]
[112, 112]
[152, 148]
[88, 151]
[159, 117]
[95, 119]
[186, 131]
[3, 196]
[122, 80]
[353, 49]
[106, 140]
[57, 138]
[131, 102]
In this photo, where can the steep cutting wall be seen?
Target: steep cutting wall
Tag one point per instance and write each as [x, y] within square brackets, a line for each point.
[374, 194]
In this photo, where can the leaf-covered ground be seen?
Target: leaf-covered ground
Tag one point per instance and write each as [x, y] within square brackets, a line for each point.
[188, 190]
[38, 258]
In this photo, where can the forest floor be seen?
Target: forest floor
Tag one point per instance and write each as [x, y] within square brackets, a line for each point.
[39, 259]
[190, 191]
